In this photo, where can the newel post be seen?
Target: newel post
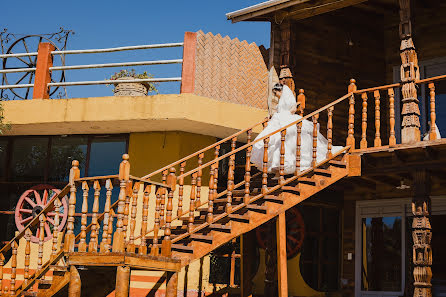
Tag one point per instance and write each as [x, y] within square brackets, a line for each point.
[69, 236]
[43, 73]
[124, 176]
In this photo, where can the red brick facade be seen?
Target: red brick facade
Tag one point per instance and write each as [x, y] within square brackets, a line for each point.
[230, 70]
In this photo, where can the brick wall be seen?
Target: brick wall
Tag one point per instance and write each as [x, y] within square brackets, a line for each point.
[230, 70]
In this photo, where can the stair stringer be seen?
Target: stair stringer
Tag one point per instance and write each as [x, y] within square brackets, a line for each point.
[201, 249]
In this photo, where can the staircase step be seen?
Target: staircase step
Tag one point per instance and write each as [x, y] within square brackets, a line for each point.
[257, 208]
[274, 198]
[44, 283]
[220, 227]
[60, 268]
[295, 190]
[307, 180]
[182, 248]
[201, 237]
[323, 172]
[29, 294]
[337, 163]
[244, 218]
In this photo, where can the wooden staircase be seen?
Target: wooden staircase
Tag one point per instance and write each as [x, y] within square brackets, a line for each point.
[110, 244]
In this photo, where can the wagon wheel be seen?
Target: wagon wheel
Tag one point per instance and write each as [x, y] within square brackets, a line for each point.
[295, 233]
[28, 44]
[32, 202]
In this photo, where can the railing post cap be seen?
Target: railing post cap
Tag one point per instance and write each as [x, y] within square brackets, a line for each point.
[75, 163]
[125, 157]
[301, 91]
[353, 81]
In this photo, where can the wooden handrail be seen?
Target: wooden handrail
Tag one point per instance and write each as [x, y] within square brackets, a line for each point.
[203, 150]
[266, 136]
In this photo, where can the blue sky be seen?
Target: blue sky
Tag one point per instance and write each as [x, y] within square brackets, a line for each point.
[102, 24]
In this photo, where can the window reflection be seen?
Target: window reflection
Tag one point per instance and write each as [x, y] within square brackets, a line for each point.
[63, 151]
[381, 254]
[105, 155]
[3, 147]
[29, 159]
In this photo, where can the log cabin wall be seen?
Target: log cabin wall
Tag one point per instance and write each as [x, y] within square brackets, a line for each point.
[326, 52]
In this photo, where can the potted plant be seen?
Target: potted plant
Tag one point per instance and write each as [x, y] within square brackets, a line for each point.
[124, 86]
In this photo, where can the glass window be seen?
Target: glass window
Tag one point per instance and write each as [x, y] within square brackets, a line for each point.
[3, 148]
[106, 154]
[381, 254]
[63, 151]
[29, 159]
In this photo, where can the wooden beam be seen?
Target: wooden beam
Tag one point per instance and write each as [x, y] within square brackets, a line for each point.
[281, 255]
[172, 284]
[122, 281]
[246, 248]
[314, 8]
[74, 288]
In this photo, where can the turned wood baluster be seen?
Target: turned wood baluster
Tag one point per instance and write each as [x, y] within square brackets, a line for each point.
[377, 118]
[231, 169]
[56, 221]
[363, 143]
[69, 236]
[82, 246]
[104, 246]
[167, 243]
[392, 138]
[199, 176]
[282, 156]
[190, 225]
[163, 198]
[131, 245]
[315, 118]
[41, 235]
[351, 115]
[28, 235]
[128, 195]
[265, 165]
[155, 247]
[433, 132]
[216, 154]
[330, 131]
[181, 190]
[124, 175]
[2, 262]
[110, 229]
[93, 244]
[14, 247]
[145, 215]
[210, 212]
[247, 196]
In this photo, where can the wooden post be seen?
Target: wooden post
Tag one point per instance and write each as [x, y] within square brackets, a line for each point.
[93, 244]
[410, 112]
[171, 284]
[392, 138]
[247, 242]
[329, 131]
[265, 165]
[124, 175]
[41, 233]
[128, 195]
[315, 118]
[433, 131]
[281, 255]
[28, 235]
[190, 224]
[188, 69]
[74, 286]
[14, 247]
[231, 168]
[156, 226]
[363, 143]
[2, 262]
[210, 211]
[247, 196]
[122, 281]
[301, 101]
[131, 248]
[69, 236]
[104, 247]
[351, 115]
[199, 176]
[422, 235]
[145, 215]
[56, 223]
[43, 73]
[282, 157]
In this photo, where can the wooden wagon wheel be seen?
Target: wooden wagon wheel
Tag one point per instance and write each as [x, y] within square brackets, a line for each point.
[32, 202]
[28, 44]
[295, 233]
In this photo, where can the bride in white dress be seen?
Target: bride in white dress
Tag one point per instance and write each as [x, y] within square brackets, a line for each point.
[284, 116]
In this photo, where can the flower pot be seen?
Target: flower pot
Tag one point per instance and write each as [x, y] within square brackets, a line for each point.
[128, 88]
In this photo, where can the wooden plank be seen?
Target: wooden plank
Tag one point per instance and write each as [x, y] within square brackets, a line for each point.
[281, 255]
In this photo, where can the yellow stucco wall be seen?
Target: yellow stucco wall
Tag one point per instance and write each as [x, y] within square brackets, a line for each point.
[150, 151]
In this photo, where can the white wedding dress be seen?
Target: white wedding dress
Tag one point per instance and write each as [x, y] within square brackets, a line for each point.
[281, 118]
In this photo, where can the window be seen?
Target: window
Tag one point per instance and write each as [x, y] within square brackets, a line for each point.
[225, 264]
[27, 161]
[319, 262]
